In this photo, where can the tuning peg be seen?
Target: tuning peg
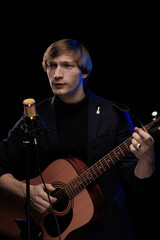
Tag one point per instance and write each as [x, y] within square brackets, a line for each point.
[154, 115]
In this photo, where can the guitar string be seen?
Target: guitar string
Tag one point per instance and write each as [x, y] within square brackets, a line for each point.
[116, 154]
[60, 194]
[94, 170]
[121, 150]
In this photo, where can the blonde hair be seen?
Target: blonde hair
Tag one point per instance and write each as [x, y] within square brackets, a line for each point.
[78, 51]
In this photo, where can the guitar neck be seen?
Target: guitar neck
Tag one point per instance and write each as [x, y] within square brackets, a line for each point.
[96, 170]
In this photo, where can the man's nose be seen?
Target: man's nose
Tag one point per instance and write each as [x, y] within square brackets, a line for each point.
[58, 72]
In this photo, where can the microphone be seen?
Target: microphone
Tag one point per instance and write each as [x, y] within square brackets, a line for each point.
[29, 108]
[32, 125]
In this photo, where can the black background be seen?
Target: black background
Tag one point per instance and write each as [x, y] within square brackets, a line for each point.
[123, 41]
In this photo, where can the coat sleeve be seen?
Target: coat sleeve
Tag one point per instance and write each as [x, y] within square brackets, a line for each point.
[12, 157]
[127, 165]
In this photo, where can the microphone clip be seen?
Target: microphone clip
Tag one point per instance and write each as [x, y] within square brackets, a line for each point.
[33, 127]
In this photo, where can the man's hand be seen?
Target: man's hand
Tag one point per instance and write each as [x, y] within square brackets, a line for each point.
[39, 198]
[143, 148]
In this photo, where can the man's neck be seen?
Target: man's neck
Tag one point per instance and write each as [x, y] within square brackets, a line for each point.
[73, 98]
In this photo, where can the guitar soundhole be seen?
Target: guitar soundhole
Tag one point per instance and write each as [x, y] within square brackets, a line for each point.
[62, 215]
[62, 204]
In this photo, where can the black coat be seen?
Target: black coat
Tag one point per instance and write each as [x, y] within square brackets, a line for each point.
[108, 126]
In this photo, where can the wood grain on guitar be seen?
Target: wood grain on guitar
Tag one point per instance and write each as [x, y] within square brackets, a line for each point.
[72, 213]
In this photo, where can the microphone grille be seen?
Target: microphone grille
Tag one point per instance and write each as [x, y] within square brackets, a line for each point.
[28, 101]
[29, 108]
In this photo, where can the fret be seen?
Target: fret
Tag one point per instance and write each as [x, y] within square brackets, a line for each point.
[79, 185]
[72, 189]
[96, 170]
[84, 179]
[116, 154]
[110, 157]
[127, 147]
[89, 176]
[68, 192]
[122, 152]
[107, 162]
[101, 168]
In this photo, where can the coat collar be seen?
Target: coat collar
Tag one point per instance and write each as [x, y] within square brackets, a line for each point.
[94, 116]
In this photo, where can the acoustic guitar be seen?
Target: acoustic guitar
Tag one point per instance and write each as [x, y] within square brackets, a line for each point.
[79, 199]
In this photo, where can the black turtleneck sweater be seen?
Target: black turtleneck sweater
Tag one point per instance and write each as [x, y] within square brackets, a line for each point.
[71, 122]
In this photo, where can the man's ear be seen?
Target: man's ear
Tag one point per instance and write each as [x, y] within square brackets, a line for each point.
[84, 76]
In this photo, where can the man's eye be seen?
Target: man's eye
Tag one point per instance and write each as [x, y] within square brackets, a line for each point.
[67, 65]
[51, 65]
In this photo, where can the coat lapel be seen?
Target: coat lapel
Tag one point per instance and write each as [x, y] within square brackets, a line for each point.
[94, 115]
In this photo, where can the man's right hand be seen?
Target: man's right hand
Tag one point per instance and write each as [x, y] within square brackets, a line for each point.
[39, 198]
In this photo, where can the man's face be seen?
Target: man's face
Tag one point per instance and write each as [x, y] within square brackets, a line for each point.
[66, 79]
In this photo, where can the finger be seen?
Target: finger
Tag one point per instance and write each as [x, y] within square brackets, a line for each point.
[42, 193]
[134, 143]
[49, 187]
[133, 149]
[40, 203]
[145, 135]
[44, 202]
[52, 199]
[39, 198]
[137, 138]
[134, 146]
[41, 206]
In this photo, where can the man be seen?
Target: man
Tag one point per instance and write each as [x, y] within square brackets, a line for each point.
[87, 127]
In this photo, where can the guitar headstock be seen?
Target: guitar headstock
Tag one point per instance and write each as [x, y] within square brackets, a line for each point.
[154, 125]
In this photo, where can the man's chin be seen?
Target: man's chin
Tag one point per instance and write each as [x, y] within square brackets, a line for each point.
[59, 92]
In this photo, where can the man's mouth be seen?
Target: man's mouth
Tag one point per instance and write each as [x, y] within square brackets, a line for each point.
[58, 84]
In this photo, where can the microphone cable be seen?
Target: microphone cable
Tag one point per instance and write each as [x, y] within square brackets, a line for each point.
[40, 173]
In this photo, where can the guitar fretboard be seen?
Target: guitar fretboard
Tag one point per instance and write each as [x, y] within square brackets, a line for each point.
[96, 170]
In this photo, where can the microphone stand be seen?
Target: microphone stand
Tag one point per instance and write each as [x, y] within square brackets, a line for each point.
[30, 114]
[27, 158]
[32, 131]
[26, 145]
[32, 128]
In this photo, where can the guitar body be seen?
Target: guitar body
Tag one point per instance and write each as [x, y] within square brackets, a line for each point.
[72, 213]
